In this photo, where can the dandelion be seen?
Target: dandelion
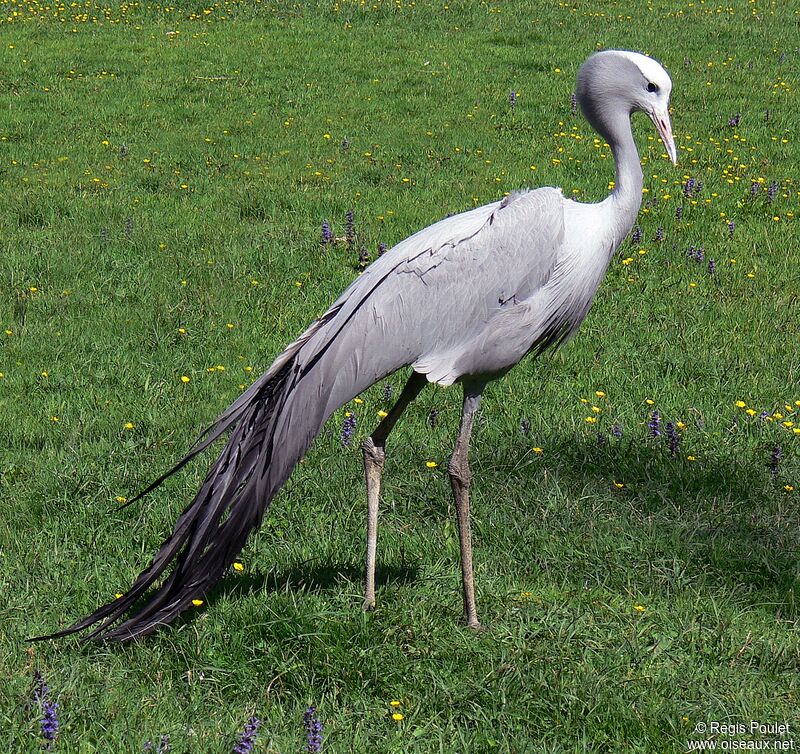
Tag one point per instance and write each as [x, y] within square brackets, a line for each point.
[248, 737]
[639, 608]
[431, 464]
[538, 451]
[394, 703]
[185, 378]
[348, 427]
[239, 567]
[197, 603]
[398, 717]
[313, 727]
[654, 425]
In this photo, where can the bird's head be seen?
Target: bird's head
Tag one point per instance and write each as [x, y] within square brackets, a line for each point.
[612, 82]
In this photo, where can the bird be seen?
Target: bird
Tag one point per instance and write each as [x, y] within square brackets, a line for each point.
[461, 301]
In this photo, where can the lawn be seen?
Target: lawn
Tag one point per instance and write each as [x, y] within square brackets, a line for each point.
[165, 172]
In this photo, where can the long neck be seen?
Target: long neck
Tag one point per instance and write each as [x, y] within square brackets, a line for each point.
[627, 195]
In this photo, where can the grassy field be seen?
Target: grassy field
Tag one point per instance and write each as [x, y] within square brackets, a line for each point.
[164, 176]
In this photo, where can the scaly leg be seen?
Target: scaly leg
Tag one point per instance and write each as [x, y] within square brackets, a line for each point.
[374, 450]
[460, 478]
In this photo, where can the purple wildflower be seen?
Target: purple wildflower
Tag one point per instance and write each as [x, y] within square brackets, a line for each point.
[388, 391]
[754, 188]
[712, 266]
[40, 688]
[248, 737]
[735, 120]
[381, 249]
[731, 227]
[350, 227]
[679, 212]
[763, 415]
[148, 745]
[512, 99]
[616, 430]
[313, 727]
[636, 235]
[774, 459]
[688, 187]
[348, 427]
[363, 258]
[659, 234]
[601, 439]
[573, 101]
[525, 426]
[673, 438]
[49, 722]
[772, 191]
[433, 418]
[163, 745]
[327, 234]
[654, 425]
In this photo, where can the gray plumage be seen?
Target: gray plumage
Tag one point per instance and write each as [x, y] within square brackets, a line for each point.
[461, 301]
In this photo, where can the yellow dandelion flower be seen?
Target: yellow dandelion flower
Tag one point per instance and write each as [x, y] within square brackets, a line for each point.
[796, 430]
[649, 401]
[787, 424]
[538, 451]
[197, 603]
[431, 464]
[619, 485]
[185, 378]
[383, 414]
[691, 458]
[358, 400]
[55, 419]
[597, 409]
[398, 716]
[394, 703]
[740, 404]
[788, 487]
[591, 420]
[584, 400]
[237, 566]
[639, 608]
[129, 425]
[229, 325]
[45, 374]
[121, 499]
[750, 411]
[119, 595]
[680, 425]
[599, 393]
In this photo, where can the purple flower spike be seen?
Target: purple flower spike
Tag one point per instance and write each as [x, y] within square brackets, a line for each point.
[679, 212]
[350, 227]
[348, 426]
[616, 430]
[673, 438]
[512, 99]
[731, 227]
[774, 459]
[574, 103]
[735, 120]
[659, 234]
[327, 234]
[772, 191]
[388, 392]
[163, 745]
[248, 737]
[49, 722]
[313, 727]
[636, 236]
[654, 425]
[712, 266]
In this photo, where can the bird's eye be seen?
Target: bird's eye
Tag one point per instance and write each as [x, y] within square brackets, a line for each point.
[651, 87]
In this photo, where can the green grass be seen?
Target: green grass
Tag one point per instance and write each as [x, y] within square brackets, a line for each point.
[210, 221]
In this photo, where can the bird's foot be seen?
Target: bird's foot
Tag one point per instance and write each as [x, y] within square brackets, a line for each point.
[369, 605]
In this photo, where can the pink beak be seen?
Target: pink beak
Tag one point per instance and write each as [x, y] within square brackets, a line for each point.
[660, 120]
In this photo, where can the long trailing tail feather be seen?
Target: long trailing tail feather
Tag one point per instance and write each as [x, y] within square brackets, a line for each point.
[257, 459]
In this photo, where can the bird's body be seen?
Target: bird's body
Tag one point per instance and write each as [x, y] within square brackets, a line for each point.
[463, 300]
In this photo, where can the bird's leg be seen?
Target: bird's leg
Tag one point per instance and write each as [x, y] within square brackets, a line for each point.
[460, 478]
[374, 450]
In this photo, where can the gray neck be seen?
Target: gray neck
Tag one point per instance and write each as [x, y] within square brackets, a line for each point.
[626, 199]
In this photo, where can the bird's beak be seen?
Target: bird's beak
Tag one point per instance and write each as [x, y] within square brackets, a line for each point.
[660, 118]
